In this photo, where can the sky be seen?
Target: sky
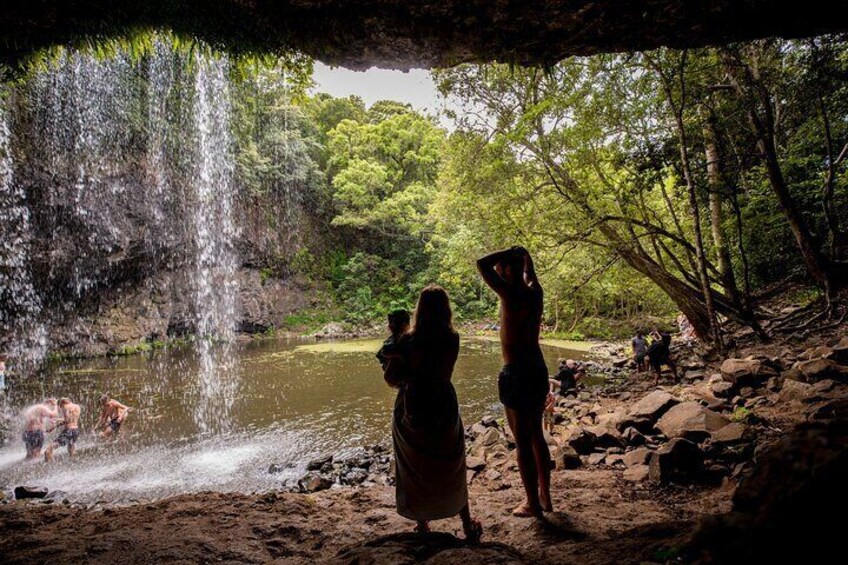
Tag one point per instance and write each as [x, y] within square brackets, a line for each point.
[415, 87]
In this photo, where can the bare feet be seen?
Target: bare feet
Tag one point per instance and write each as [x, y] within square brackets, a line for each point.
[422, 528]
[525, 510]
[473, 531]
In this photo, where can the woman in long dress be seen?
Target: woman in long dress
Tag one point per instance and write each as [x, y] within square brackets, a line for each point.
[429, 438]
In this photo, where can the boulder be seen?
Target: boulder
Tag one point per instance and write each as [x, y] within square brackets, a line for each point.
[723, 389]
[314, 482]
[652, 406]
[839, 353]
[355, 476]
[691, 420]
[694, 375]
[488, 438]
[637, 473]
[746, 372]
[729, 434]
[475, 463]
[596, 458]
[794, 390]
[833, 410]
[643, 425]
[638, 456]
[677, 461]
[633, 437]
[25, 491]
[774, 384]
[567, 458]
[319, 463]
[816, 352]
[819, 369]
[582, 441]
[489, 421]
[606, 437]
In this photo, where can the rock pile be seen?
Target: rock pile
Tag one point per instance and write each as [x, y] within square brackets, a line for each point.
[364, 466]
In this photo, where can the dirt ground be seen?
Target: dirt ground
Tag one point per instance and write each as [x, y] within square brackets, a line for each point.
[601, 518]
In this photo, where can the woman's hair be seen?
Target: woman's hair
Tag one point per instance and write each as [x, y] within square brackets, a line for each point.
[433, 313]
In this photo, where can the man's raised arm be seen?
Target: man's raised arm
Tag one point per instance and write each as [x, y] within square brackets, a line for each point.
[530, 272]
[486, 268]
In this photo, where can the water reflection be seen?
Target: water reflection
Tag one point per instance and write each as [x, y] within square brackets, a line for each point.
[291, 401]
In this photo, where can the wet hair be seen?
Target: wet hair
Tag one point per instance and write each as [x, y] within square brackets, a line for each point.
[398, 318]
[104, 398]
[50, 400]
[515, 262]
[63, 401]
[433, 314]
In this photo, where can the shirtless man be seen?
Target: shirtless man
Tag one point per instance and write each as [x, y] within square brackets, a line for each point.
[34, 426]
[112, 416]
[70, 413]
[523, 381]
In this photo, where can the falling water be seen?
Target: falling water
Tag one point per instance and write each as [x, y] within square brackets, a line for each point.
[215, 261]
[20, 314]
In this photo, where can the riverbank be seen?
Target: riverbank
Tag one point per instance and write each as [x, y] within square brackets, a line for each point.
[644, 473]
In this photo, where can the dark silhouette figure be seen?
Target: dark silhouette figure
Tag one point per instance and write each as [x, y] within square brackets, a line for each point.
[398, 322]
[523, 381]
[659, 354]
[429, 438]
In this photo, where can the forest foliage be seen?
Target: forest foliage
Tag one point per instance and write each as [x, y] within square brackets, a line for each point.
[643, 183]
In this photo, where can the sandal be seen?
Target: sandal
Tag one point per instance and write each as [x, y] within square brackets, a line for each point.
[473, 531]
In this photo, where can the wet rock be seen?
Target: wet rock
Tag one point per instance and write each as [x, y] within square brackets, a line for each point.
[691, 420]
[794, 390]
[596, 458]
[746, 372]
[819, 369]
[25, 491]
[638, 456]
[319, 463]
[729, 434]
[355, 476]
[314, 482]
[652, 406]
[677, 461]
[475, 463]
[637, 473]
[275, 468]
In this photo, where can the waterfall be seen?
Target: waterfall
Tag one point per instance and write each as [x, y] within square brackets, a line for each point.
[22, 335]
[215, 261]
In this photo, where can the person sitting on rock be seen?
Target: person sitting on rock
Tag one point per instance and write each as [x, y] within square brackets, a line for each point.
[427, 430]
[659, 354]
[398, 321]
[640, 351]
[35, 422]
[69, 423]
[570, 372]
[112, 416]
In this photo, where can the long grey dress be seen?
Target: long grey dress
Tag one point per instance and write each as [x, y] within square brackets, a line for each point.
[429, 438]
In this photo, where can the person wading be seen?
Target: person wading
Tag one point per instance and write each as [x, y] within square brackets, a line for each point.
[523, 381]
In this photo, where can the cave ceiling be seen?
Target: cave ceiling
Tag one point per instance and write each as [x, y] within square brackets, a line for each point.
[426, 33]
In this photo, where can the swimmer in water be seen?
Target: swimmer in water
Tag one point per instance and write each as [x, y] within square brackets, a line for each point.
[113, 414]
[69, 423]
[35, 423]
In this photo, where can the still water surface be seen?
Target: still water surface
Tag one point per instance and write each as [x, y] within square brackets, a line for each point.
[272, 401]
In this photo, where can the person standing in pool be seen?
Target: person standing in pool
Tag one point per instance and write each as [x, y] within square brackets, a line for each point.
[523, 381]
[112, 416]
[69, 423]
[35, 422]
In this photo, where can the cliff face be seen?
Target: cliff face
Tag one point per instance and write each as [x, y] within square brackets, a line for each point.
[124, 217]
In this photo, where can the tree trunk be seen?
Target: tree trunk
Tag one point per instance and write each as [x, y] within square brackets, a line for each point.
[714, 184]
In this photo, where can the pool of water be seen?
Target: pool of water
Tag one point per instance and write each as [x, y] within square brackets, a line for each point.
[216, 420]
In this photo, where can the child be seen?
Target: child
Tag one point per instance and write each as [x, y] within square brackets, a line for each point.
[398, 325]
[549, 410]
[640, 351]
